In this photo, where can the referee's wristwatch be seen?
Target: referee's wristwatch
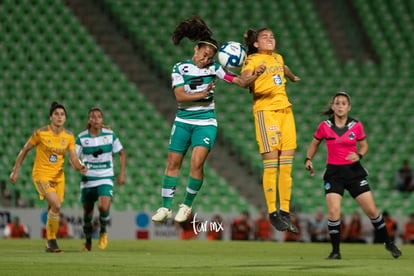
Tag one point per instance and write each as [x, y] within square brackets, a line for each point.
[360, 156]
[307, 158]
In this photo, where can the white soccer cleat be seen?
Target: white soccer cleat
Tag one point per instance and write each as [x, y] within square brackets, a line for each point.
[161, 215]
[183, 213]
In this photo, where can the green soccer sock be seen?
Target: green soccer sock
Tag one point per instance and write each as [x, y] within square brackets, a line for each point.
[193, 186]
[168, 189]
[87, 228]
[104, 220]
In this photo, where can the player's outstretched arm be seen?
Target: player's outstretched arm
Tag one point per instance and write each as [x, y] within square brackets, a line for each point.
[19, 160]
[312, 149]
[248, 77]
[121, 176]
[182, 96]
[290, 75]
[75, 162]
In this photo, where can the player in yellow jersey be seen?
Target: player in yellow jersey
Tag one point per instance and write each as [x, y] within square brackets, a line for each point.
[195, 125]
[51, 142]
[274, 123]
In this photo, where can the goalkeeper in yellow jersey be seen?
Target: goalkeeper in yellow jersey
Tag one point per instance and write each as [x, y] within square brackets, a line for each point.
[51, 142]
[274, 123]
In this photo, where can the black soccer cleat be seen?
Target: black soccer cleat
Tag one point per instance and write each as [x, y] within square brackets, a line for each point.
[278, 222]
[87, 246]
[52, 247]
[334, 256]
[395, 252]
[291, 227]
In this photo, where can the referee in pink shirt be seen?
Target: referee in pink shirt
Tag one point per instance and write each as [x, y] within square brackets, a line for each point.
[343, 136]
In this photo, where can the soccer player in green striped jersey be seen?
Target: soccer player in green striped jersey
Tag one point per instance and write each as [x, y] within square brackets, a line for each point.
[195, 124]
[95, 147]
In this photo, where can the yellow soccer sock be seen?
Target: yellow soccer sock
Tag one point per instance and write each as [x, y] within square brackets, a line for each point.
[52, 225]
[285, 182]
[269, 183]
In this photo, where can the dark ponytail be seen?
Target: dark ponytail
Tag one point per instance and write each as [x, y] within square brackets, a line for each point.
[54, 106]
[250, 37]
[195, 29]
[93, 109]
[330, 111]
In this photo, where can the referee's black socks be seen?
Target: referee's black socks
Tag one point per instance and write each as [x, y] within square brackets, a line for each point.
[380, 229]
[334, 228]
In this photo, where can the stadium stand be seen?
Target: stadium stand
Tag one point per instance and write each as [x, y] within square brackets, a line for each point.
[302, 40]
[46, 51]
[48, 55]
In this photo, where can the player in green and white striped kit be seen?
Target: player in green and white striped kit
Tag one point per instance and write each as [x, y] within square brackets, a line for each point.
[195, 124]
[95, 147]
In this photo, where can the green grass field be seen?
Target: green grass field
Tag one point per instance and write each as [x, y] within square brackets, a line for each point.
[133, 257]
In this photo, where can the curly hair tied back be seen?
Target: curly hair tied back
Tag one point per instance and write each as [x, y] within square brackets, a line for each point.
[195, 29]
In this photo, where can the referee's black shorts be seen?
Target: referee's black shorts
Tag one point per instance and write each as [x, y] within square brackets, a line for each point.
[352, 177]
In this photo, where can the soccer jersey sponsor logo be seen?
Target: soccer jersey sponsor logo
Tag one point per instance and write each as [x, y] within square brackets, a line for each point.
[105, 165]
[55, 150]
[53, 158]
[277, 79]
[275, 70]
[196, 83]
